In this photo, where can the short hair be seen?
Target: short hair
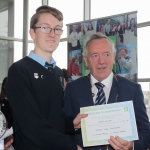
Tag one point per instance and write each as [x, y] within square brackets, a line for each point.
[96, 36]
[45, 10]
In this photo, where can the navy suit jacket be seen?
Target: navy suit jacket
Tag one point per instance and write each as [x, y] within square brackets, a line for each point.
[78, 94]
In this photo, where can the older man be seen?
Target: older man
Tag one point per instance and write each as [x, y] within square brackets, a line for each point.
[99, 56]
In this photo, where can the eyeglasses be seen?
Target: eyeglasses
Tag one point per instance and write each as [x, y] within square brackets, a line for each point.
[45, 29]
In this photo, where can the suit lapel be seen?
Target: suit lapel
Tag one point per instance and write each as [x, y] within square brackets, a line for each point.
[87, 93]
[114, 90]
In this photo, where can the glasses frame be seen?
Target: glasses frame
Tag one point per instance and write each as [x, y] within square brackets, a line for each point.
[50, 29]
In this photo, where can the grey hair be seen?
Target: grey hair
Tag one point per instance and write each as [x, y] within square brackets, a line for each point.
[96, 36]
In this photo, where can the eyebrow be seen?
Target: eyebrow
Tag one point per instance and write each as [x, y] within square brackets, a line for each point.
[50, 25]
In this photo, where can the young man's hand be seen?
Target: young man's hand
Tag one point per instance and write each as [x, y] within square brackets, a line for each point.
[79, 148]
[77, 120]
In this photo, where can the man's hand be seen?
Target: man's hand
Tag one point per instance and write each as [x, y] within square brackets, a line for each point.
[8, 141]
[119, 144]
[77, 120]
[79, 148]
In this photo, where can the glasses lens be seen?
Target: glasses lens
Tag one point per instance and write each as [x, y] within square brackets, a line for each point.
[45, 29]
[48, 30]
[58, 31]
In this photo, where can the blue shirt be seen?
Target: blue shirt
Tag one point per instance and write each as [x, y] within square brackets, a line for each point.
[40, 60]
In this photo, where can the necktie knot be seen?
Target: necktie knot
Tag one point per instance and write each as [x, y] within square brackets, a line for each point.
[99, 85]
[49, 66]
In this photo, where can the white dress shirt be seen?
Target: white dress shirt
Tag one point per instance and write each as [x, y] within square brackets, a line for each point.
[107, 82]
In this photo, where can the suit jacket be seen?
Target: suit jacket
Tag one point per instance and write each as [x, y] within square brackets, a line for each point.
[78, 94]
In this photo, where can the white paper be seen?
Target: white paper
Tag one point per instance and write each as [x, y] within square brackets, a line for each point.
[1, 144]
[108, 120]
[7, 133]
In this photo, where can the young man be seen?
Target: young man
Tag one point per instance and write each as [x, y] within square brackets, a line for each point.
[99, 55]
[35, 89]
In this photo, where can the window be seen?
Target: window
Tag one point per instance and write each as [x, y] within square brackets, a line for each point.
[18, 19]
[108, 8]
[60, 55]
[72, 11]
[143, 52]
[4, 23]
[17, 51]
[32, 9]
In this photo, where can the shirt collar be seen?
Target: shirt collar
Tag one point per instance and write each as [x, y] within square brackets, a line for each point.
[40, 60]
[107, 82]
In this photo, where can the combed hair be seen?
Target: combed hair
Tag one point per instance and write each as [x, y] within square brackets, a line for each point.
[43, 10]
[96, 36]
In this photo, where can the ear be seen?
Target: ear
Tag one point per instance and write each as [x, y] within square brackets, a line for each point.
[85, 60]
[32, 33]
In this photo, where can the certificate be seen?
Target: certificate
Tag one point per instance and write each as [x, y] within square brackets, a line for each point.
[103, 121]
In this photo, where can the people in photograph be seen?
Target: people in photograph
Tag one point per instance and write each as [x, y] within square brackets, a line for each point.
[73, 37]
[124, 62]
[98, 27]
[80, 64]
[71, 62]
[35, 90]
[99, 56]
[90, 29]
[102, 29]
[114, 29]
[107, 27]
[75, 68]
[81, 35]
[121, 32]
[90, 26]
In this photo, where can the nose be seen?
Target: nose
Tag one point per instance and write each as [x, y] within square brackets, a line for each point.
[52, 32]
[101, 60]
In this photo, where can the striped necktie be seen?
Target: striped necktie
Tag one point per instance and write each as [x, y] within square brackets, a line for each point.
[49, 66]
[100, 98]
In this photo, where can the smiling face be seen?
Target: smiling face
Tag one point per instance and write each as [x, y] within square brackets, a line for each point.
[46, 42]
[123, 53]
[100, 58]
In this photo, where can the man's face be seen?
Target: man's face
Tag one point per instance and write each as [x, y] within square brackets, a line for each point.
[100, 58]
[46, 42]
